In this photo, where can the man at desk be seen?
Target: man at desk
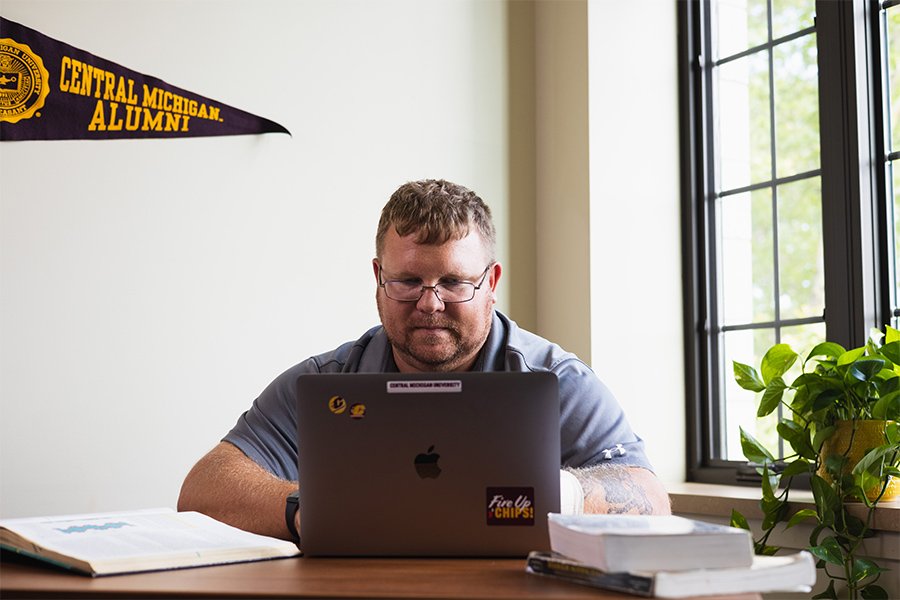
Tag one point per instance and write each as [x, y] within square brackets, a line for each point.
[436, 278]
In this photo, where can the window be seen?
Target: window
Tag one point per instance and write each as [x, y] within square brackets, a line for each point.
[889, 22]
[790, 228]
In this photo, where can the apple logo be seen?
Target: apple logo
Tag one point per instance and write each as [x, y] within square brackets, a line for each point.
[427, 464]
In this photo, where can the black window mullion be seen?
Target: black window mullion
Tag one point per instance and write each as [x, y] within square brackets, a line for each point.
[849, 190]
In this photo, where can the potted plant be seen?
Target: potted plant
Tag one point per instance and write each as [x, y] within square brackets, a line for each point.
[839, 418]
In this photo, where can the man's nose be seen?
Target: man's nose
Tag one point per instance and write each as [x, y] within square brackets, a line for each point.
[430, 302]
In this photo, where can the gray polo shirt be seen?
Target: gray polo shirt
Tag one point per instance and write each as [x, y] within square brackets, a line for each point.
[590, 419]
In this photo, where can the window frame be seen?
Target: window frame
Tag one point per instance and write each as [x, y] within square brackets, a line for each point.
[854, 208]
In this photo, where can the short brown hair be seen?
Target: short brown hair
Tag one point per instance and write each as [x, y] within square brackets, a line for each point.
[437, 211]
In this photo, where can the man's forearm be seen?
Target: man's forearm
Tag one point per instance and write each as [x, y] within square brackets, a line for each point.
[231, 488]
[614, 489]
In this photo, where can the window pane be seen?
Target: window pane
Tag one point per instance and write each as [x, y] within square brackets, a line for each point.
[800, 251]
[894, 249]
[747, 267]
[741, 24]
[739, 405]
[743, 116]
[791, 16]
[802, 338]
[796, 106]
[893, 61]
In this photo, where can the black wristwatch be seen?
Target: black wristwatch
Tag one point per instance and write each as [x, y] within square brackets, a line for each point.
[291, 506]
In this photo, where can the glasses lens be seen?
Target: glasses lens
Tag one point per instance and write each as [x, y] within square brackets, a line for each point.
[456, 292]
[403, 290]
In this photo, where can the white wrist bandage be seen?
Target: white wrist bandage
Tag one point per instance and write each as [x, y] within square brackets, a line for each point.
[571, 494]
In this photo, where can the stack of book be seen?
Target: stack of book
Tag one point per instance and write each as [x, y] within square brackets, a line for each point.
[665, 557]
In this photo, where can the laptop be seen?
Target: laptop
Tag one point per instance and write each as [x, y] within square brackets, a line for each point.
[440, 464]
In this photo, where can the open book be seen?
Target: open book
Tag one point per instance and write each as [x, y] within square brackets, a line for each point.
[143, 540]
[789, 573]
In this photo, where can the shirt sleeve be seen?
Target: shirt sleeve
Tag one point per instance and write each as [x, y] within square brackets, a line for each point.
[592, 423]
[267, 431]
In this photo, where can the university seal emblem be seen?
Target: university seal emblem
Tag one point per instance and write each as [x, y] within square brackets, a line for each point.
[24, 82]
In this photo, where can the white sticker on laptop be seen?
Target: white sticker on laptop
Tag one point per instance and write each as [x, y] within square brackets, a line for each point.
[424, 386]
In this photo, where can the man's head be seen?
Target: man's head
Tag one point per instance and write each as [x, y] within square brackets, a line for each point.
[435, 233]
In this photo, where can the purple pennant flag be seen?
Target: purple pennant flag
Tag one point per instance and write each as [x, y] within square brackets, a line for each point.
[52, 91]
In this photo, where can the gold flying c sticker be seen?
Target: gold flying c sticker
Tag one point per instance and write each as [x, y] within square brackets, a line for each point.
[24, 82]
[337, 405]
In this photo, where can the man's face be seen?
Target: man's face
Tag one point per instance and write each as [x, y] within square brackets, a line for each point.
[429, 335]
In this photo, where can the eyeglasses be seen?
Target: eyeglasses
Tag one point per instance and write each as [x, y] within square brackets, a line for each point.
[451, 292]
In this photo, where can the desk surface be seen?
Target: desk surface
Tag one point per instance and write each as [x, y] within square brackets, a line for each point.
[304, 578]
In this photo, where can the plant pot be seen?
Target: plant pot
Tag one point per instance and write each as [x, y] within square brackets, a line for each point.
[869, 434]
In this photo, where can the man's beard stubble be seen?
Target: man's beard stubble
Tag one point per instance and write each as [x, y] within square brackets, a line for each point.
[431, 361]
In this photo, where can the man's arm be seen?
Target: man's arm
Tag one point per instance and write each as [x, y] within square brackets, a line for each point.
[615, 489]
[228, 486]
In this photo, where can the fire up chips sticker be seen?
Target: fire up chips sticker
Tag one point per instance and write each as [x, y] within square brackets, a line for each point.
[510, 506]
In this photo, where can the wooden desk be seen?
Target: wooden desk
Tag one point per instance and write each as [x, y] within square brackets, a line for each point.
[306, 578]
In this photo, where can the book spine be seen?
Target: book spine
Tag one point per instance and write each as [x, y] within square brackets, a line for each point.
[568, 570]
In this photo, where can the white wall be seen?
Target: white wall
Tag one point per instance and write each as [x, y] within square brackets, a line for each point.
[636, 300]
[150, 289]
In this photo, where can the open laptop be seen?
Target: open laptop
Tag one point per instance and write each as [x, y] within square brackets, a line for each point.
[451, 464]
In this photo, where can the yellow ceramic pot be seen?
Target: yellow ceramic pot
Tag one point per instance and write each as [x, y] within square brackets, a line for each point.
[869, 434]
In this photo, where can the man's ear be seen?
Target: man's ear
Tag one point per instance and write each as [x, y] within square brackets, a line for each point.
[375, 268]
[496, 271]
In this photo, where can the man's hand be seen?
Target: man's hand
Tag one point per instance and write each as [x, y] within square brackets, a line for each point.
[613, 489]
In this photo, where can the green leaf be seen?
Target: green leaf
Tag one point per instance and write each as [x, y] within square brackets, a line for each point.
[798, 466]
[850, 355]
[863, 569]
[892, 432]
[772, 397]
[892, 351]
[753, 450]
[778, 359]
[801, 515]
[798, 437]
[827, 501]
[826, 398]
[829, 551]
[874, 592]
[834, 464]
[888, 407]
[827, 349]
[865, 369]
[891, 334]
[747, 377]
[822, 435]
[828, 594]
[739, 520]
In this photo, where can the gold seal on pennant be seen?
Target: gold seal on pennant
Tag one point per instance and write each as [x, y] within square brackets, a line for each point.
[24, 82]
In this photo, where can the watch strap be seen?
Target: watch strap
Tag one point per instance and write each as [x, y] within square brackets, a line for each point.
[291, 506]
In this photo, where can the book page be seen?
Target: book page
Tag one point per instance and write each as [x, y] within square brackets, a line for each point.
[138, 534]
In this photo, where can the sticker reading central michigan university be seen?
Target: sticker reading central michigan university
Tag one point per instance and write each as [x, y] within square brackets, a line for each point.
[426, 387]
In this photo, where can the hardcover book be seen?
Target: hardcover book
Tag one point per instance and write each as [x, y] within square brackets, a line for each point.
[789, 573]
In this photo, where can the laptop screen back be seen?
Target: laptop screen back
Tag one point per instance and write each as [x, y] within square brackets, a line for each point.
[452, 464]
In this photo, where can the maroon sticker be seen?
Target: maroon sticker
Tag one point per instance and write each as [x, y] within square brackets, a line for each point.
[510, 506]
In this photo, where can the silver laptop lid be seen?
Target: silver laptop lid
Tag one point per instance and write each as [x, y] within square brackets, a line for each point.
[453, 464]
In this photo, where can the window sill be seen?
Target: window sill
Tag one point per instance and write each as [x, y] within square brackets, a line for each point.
[713, 500]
